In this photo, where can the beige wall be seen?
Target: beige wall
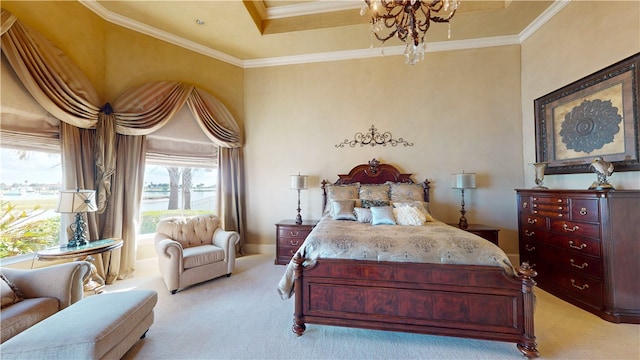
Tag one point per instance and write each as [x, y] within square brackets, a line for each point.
[460, 109]
[585, 37]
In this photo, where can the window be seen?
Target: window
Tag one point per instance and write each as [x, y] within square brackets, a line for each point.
[30, 184]
[170, 190]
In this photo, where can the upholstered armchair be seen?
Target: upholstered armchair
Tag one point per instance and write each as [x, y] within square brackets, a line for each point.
[194, 249]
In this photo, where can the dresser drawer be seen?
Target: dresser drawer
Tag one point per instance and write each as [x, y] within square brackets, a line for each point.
[533, 221]
[585, 210]
[582, 246]
[583, 265]
[578, 229]
[583, 288]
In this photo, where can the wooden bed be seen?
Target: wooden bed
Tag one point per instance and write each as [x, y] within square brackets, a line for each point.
[481, 302]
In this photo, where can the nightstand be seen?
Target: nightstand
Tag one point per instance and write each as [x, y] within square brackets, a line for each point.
[484, 232]
[289, 237]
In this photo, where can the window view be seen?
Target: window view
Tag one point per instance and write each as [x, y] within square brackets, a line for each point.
[29, 183]
[176, 191]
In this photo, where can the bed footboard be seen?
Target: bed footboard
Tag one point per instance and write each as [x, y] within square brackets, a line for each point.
[468, 301]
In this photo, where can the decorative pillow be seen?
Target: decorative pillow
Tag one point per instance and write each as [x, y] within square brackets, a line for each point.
[340, 192]
[406, 192]
[10, 293]
[371, 203]
[363, 215]
[374, 192]
[343, 209]
[409, 215]
[420, 205]
[382, 215]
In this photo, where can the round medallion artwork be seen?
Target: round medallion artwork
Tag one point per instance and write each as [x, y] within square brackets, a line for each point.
[590, 125]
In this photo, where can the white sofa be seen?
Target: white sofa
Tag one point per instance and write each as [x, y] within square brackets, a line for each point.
[43, 291]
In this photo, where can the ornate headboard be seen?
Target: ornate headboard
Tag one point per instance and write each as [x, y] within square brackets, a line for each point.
[373, 173]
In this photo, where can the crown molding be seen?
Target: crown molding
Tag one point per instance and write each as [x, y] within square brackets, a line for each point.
[120, 20]
[137, 26]
[542, 19]
[311, 8]
[380, 51]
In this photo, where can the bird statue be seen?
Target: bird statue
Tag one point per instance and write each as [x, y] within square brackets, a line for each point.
[603, 169]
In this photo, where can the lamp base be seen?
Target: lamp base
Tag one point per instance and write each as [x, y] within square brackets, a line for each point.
[462, 223]
[78, 228]
[299, 219]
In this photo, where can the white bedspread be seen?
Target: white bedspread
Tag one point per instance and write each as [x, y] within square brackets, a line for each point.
[436, 242]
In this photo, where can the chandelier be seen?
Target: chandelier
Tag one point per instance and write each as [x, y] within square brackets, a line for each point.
[408, 20]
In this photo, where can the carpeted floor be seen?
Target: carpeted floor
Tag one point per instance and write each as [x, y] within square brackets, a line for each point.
[242, 317]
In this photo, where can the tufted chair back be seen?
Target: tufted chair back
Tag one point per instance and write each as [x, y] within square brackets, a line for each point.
[189, 231]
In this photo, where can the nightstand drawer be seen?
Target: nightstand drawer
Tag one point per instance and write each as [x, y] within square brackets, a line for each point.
[290, 241]
[294, 233]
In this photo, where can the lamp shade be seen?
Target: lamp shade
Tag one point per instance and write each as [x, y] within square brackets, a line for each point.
[463, 181]
[77, 201]
[299, 182]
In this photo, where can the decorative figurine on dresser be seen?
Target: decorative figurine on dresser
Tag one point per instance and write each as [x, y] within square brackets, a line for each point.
[585, 246]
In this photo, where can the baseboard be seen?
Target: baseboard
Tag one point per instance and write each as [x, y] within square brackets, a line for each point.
[260, 249]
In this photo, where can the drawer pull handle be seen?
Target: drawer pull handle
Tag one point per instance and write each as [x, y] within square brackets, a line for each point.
[532, 221]
[292, 252]
[559, 207]
[529, 233]
[560, 215]
[293, 233]
[294, 242]
[559, 201]
[525, 205]
[529, 248]
[582, 246]
[583, 211]
[584, 265]
[583, 287]
[566, 228]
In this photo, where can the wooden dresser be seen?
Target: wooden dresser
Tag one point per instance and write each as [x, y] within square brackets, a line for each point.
[289, 237]
[585, 245]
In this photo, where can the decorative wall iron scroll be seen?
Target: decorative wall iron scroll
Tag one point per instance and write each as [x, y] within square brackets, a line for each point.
[373, 138]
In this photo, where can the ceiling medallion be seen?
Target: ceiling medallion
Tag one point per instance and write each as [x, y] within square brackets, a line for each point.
[373, 138]
[408, 20]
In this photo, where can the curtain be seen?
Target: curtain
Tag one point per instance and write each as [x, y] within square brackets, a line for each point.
[117, 160]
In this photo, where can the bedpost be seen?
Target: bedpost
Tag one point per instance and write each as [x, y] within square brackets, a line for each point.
[324, 194]
[528, 346]
[427, 187]
[298, 319]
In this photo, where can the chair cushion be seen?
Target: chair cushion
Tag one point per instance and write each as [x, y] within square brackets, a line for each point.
[21, 316]
[202, 255]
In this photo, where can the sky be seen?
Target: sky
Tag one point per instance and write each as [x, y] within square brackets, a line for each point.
[43, 168]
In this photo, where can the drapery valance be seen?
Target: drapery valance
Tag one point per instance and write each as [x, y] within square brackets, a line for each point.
[61, 88]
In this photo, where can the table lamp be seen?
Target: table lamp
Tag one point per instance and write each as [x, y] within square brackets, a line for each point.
[463, 181]
[78, 202]
[299, 182]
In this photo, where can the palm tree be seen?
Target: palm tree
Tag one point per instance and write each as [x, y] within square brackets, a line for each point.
[174, 180]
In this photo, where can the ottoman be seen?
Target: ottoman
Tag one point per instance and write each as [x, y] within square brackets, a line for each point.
[101, 326]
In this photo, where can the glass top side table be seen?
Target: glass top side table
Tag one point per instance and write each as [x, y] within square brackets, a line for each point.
[93, 283]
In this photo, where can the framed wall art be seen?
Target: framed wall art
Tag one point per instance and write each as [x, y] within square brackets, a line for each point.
[594, 116]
